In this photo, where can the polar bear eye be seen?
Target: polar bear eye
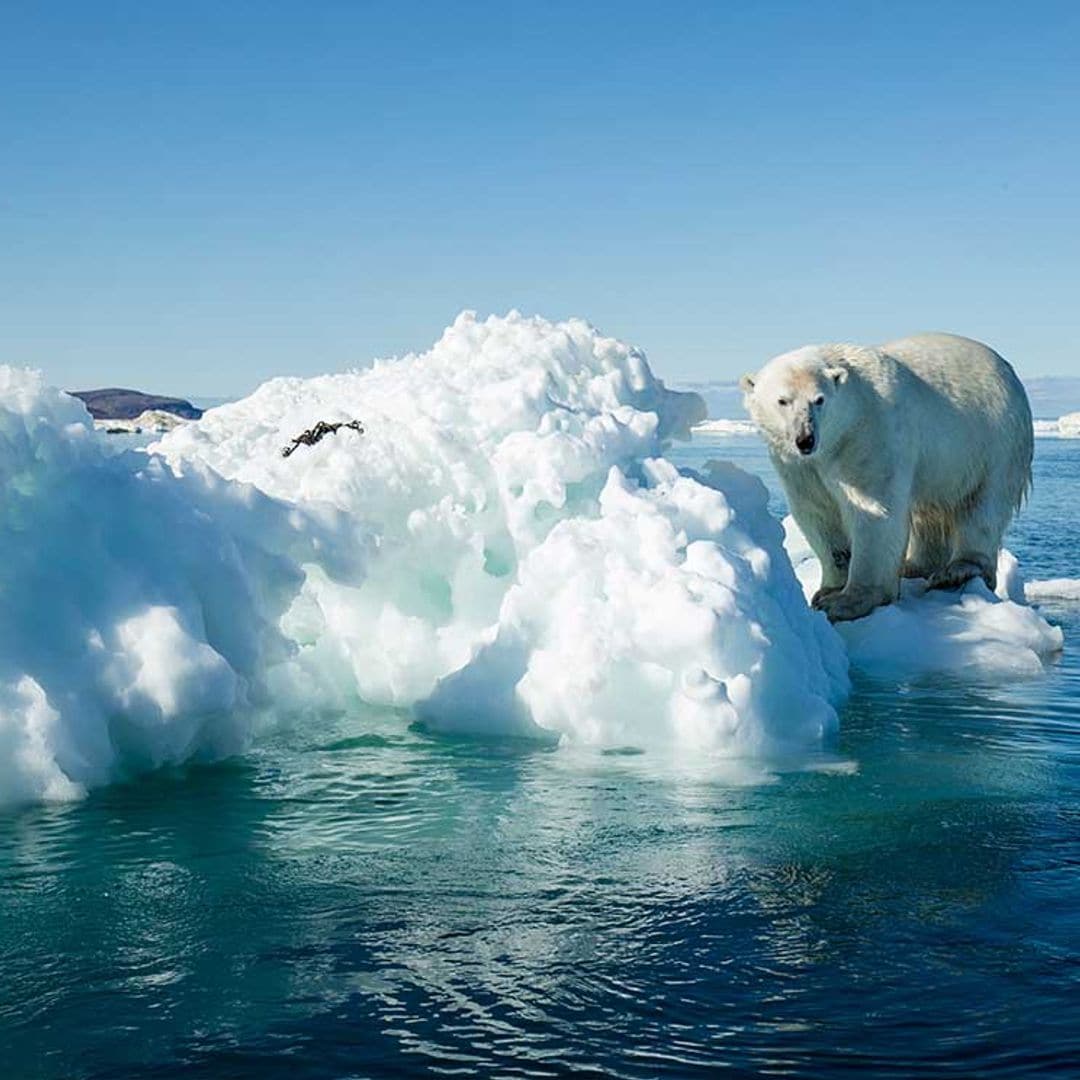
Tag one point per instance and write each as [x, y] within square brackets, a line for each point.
[820, 399]
[782, 401]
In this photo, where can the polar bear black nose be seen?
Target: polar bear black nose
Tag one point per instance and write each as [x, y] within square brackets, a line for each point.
[805, 442]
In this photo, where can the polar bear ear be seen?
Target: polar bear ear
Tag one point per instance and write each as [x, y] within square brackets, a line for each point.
[746, 384]
[837, 373]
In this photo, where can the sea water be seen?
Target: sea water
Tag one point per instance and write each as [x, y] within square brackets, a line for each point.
[359, 897]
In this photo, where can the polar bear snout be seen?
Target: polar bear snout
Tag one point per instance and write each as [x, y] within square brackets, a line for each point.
[805, 441]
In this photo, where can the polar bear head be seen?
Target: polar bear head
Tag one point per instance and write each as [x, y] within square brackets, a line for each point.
[798, 401]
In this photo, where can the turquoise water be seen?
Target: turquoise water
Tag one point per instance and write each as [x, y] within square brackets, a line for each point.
[359, 898]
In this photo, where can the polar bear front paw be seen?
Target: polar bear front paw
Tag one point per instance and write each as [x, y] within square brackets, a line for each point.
[851, 604]
[819, 600]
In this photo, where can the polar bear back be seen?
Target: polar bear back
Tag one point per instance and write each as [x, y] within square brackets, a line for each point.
[972, 415]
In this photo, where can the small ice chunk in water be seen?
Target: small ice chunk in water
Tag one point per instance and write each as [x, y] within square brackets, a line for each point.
[1053, 589]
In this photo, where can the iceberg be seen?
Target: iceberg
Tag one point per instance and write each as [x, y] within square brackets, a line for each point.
[526, 532]
[502, 548]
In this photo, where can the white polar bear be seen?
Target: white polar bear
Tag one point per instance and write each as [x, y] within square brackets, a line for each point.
[907, 458]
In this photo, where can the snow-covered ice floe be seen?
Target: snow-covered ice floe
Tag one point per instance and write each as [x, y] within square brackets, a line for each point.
[994, 635]
[503, 549]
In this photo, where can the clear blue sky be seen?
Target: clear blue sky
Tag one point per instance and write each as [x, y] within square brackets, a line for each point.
[196, 196]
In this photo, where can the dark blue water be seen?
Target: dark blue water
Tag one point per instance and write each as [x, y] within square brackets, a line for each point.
[357, 898]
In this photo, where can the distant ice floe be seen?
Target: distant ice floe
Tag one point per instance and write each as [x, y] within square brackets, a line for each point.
[153, 421]
[726, 427]
[995, 635]
[1064, 427]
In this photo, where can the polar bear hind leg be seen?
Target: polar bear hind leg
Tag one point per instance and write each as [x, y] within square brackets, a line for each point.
[930, 543]
[978, 527]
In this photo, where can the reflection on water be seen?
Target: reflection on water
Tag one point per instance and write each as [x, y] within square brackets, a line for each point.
[358, 898]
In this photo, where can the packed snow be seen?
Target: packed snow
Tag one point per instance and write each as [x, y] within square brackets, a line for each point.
[671, 618]
[502, 549]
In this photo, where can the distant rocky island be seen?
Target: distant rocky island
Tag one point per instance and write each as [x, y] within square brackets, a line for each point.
[118, 404]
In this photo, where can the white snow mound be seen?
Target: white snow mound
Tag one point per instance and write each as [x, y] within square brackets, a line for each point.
[672, 618]
[994, 635]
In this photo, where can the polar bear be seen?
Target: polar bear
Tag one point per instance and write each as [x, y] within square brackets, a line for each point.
[902, 459]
